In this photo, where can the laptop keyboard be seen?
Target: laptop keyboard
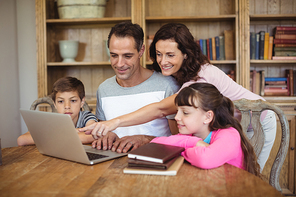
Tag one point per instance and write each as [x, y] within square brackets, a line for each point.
[93, 156]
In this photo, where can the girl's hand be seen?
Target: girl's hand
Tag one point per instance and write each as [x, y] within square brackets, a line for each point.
[202, 143]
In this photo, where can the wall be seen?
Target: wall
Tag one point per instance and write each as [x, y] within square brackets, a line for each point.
[18, 70]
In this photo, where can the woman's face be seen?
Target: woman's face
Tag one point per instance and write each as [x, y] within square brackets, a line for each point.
[169, 57]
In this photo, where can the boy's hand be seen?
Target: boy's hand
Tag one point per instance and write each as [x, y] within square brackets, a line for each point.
[99, 129]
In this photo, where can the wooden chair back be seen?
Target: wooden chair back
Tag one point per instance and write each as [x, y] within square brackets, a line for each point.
[251, 111]
[48, 100]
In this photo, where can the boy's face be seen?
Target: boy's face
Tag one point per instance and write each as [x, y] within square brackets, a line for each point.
[69, 103]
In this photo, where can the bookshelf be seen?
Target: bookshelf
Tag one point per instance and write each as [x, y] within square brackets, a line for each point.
[265, 15]
[201, 23]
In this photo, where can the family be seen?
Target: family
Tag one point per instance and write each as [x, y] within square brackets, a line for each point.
[184, 101]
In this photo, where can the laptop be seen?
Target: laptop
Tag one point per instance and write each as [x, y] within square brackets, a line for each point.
[55, 135]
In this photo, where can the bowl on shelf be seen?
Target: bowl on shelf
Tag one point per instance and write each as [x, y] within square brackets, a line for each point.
[68, 50]
[81, 8]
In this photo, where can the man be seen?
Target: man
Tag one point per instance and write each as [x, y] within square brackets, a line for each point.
[130, 89]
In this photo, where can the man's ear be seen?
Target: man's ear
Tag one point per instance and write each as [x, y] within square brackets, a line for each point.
[142, 50]
[82, 102]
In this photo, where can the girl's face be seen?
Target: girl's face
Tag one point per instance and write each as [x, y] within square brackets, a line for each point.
[193, 120]
[169, 57]
[69, 103]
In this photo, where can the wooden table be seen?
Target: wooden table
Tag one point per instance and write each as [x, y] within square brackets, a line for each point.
[26, 172]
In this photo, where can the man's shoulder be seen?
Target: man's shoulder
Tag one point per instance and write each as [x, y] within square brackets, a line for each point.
[165, 79]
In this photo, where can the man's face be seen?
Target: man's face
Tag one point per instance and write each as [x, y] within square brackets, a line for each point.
[125, 59]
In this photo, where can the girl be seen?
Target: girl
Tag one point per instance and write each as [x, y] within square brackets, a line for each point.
[208, 130]
[175, 52]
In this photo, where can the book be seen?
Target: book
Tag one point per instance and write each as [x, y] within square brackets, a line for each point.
[266, 44]
[270, 47]
[289, 28]
[153, 152]
[284, 49]
[285, 45]
[285, 36]
[283, 32]
[257, 46]
[285, 53]
[275, 79]
[217, 48]
[262, 82]
[284, 57]
[172, 170]
[252, 45]
[222, 47]
[294, 82]
[211, 48]
[284, 41]
[139, 164]
[208, 48]
[214, 49]
[254, 73]
[229, 44]
[276, 92]
[290, 81]
[261, 45]
[200, 44]
[204, 47]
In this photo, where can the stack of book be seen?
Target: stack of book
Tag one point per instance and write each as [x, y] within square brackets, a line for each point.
[219, 47]
[155, 159]
[276, 86]
[285, 43]
[261, 45]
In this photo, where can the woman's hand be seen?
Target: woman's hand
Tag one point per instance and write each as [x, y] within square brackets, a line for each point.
[99, 129]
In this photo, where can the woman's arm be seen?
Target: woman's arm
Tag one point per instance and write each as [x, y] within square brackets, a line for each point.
[145, 114]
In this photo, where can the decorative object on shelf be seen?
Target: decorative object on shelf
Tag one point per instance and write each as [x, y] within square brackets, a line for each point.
[107, 49]
[81, 8]
[68, 50]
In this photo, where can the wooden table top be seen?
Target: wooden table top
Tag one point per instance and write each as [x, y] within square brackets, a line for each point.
[26, 172]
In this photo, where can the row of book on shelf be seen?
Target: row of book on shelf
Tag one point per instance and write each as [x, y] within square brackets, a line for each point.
[273, 86]
[282, 45]
[215, 48]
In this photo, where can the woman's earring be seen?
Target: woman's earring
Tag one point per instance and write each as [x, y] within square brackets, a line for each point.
[185, 56]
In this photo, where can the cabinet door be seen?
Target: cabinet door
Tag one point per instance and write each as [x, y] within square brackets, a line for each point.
[287, 176]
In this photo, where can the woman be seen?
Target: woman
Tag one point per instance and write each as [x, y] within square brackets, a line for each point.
[175, 52]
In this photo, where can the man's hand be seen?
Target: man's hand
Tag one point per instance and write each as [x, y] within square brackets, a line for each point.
[105, 142]
[100, 129]
[127, 143]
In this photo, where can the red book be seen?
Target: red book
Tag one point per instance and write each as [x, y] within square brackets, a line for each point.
[208, 48]
[285, 36]
[285, 28]
[284, 41]
[285, 45]
[276, 92]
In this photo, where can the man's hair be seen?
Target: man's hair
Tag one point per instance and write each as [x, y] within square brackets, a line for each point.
[128, 29]
[68, 84]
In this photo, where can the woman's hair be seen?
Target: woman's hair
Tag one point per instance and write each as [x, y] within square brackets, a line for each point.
[207, 97]
[68, 84]
[186, 44]
[128, 29]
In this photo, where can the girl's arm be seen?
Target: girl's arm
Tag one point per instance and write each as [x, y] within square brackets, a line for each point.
[145, 114]
[225, 147]
[185, 141]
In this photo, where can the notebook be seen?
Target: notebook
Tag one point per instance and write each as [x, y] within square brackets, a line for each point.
[171, 171]
[153, 152]
[55, 135]
[135, 163]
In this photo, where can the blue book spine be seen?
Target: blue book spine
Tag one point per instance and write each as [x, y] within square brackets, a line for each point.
[200, 44]
[204, 47]
[217, 47]
[275, 79]
[252, 45]
[210, 46]
[257, 46]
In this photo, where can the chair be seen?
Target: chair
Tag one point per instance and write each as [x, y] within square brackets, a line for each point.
[48, 100]
[257, 140]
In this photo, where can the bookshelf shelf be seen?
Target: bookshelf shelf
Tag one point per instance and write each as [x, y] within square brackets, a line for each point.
[79, 64]
[272, 17]
[190, 18]
[273, 61]
[106, 20]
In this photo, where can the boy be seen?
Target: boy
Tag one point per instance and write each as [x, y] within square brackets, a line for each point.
[69, 96]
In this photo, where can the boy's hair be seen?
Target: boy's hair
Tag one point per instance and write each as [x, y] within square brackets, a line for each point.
[186, 44]
[128, 29]
[68, 84]
[207, 97]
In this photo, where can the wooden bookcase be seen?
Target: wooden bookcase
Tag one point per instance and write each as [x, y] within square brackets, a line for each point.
[205, 19]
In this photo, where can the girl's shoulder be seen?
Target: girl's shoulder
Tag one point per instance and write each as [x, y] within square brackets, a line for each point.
[229, 132]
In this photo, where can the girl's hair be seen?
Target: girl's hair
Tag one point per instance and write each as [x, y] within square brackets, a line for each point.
[68, 84]
[186, 44]
[207, 97]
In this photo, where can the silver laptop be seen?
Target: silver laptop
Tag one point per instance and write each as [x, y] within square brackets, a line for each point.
[55, 135]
